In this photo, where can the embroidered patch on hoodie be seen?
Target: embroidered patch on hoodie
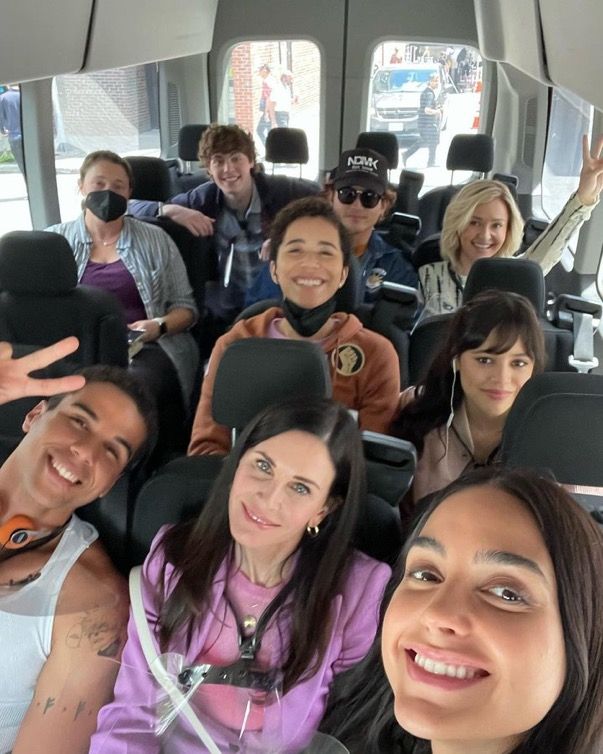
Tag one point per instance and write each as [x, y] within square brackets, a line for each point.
[348, 359]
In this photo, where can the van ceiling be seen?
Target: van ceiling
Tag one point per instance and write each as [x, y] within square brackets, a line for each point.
[44, 39]
[551, 40]
[41, 39]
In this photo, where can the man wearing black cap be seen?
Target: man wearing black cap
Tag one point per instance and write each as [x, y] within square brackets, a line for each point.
[362, 198]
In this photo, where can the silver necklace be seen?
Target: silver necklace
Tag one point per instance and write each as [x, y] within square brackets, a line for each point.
[107, 243]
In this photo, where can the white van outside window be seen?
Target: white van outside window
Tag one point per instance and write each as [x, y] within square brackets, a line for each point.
[400, 74]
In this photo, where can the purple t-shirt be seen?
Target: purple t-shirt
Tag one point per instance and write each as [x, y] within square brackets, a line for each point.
[115, 278]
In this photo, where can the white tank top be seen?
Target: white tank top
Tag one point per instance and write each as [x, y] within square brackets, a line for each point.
[26, 622]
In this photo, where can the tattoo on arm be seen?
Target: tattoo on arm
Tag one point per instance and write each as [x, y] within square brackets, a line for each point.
[49, 703]
[80, 708]
[101, 635]
[77, 709]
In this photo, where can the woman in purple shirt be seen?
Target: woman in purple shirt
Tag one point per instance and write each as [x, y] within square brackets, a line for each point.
[266, 572]
[142, 267]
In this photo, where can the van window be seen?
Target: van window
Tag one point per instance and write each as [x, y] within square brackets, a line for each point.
[116, 109]
[401, 72]
[275, 83]
[14, 201]
[570, 117]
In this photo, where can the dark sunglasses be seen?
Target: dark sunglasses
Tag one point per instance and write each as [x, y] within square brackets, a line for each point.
[368, 199]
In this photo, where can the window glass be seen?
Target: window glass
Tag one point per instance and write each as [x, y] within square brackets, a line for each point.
[14, 202]
[400, 76]
[275, 84]
[116, 109]
[570, 118]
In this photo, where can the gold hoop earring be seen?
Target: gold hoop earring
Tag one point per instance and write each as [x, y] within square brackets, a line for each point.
[313, 531]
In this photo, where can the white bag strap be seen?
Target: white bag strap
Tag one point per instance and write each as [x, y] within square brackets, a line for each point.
[159, 672]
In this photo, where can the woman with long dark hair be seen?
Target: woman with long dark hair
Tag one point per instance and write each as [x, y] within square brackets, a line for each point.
[455, 416]
[266, 573]
[492, 640]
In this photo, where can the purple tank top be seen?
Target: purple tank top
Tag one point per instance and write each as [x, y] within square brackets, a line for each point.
[115, 278]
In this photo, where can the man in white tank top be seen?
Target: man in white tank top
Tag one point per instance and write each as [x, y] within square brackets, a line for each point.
[63, 607]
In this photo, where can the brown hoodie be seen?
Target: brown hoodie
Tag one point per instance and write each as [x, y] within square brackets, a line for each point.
[367, 377]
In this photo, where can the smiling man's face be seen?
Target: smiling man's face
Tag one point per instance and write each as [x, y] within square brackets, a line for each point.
[76, 451]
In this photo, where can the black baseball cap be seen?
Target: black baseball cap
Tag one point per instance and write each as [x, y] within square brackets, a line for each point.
[362, 167]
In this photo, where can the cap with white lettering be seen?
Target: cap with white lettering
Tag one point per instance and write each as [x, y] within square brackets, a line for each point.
[362, 167]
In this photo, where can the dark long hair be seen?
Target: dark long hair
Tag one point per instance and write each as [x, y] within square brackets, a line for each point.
[508, 316]
[197, 549]
[361, 708]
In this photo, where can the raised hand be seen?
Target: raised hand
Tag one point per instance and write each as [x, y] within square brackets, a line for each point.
[591, 175]
[15, 381]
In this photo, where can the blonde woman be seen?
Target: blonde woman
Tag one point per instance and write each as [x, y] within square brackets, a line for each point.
[483, 220]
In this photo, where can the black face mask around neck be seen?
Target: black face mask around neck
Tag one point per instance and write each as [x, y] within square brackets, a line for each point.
[307, 322]
[106, 205]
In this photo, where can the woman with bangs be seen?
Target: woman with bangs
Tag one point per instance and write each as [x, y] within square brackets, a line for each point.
[456, 415]
[483, 220]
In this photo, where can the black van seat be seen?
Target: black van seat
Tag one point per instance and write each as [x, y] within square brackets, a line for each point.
[556, 425]
[383, 142]
[409, 186]
[254, 373]
[287, 146]
[521, 276]
[190, 176]
[41, 302]
[152, 180]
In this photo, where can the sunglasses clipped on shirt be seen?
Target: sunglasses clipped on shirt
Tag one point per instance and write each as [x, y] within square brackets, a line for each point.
[368, 199]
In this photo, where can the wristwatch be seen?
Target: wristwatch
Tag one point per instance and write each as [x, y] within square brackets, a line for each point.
[162, 325]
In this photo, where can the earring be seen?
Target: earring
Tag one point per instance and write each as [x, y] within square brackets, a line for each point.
[313, 531]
